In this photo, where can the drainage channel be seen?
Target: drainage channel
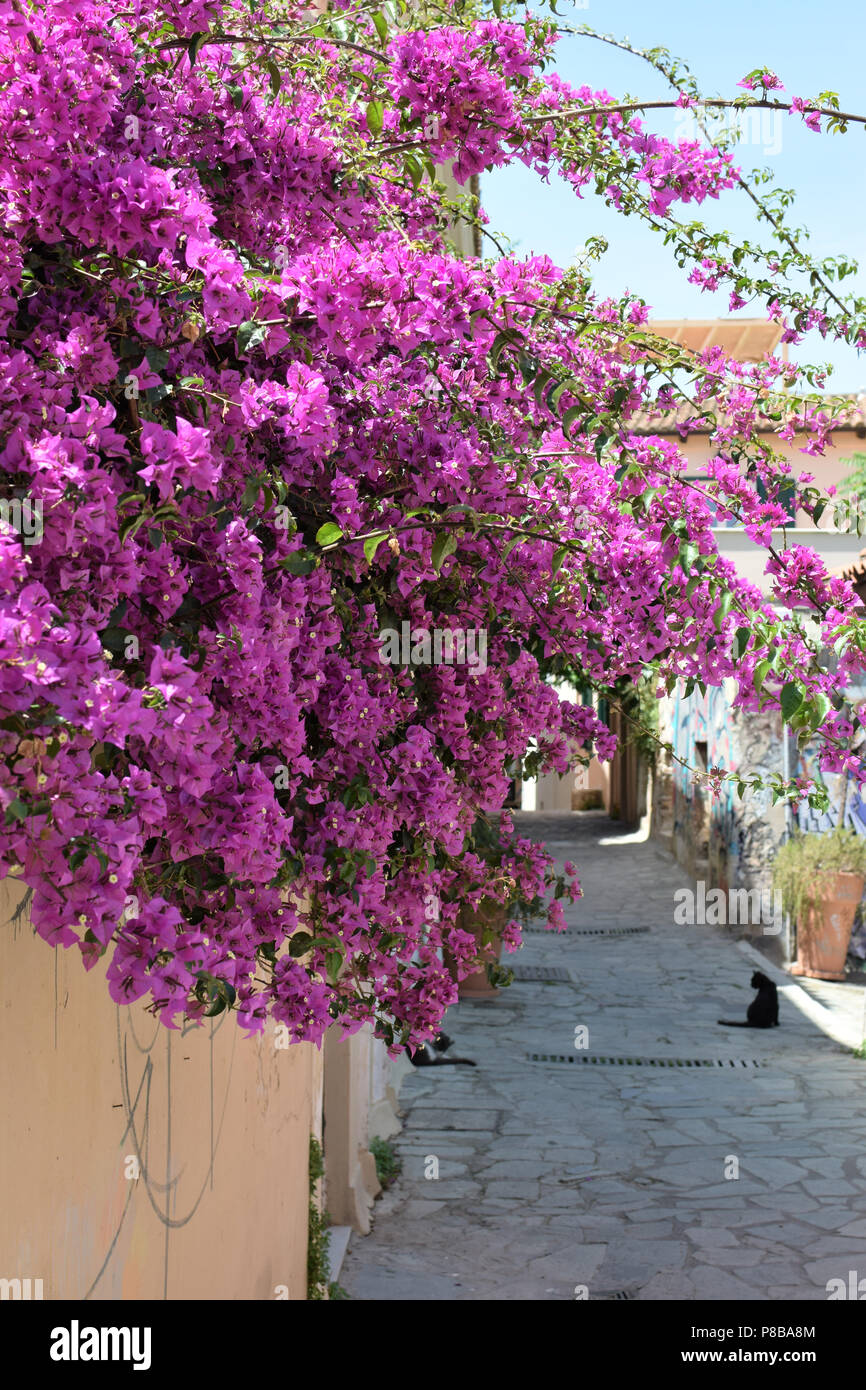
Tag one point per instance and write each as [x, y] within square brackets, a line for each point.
[590, 1059]
[586, 931]
[553, 973]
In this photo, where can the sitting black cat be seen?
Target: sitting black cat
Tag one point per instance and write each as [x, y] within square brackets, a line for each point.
[763, 1012]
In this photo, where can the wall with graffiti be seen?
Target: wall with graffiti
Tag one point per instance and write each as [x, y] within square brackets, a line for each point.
[847, 802]
[726, 841]
[854, 815]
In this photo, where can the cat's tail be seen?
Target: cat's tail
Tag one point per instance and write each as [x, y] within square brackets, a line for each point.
[732, 1023]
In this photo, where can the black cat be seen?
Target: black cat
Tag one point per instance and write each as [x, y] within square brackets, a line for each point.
[430, 1054]
[763, 1012]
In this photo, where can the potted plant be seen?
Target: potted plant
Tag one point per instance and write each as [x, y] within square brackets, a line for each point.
[486, 922]
[821, 879]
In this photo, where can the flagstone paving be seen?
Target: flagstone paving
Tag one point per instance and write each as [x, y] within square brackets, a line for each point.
[559, 1180]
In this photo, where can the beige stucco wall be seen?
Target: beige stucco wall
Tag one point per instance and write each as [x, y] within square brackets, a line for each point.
[837, 549]
[219, 1125]
[351, 1184]
[827, 469]
[553, 793]
[386, 1078]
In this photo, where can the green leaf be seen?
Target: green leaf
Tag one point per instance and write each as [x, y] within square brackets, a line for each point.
[688, 553]
[557, 391]
[251, 492]
[723, 610]
[413, 169]
[371, 545]
[375, 117]
[157, 358]
[381, 26]
[573, 413]
[791, 699]
[220, 993]
[541, 383]
[299, 562]
[94, 941]
[444, 545]
[528, 368]
[195, 44]
[500, 343]
[154, 394]
[333, 963]
[249, 335]
[821, 706]
[300, 944]
[329, 533]
[129, 530]
[740, 642]
[18, 809]
[558, 557]
[761, 673]
[275, 76]
[509, 545]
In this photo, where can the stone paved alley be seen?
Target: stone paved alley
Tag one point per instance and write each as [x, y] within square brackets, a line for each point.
[554, 1175]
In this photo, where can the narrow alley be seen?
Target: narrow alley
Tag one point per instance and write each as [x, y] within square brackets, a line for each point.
[668, 1158]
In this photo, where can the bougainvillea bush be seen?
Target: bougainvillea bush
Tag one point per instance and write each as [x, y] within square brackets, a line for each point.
[263, 411]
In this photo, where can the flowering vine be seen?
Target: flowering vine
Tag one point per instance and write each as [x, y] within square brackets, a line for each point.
[267, 412]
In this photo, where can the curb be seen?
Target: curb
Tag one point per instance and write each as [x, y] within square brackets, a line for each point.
[841, 1031]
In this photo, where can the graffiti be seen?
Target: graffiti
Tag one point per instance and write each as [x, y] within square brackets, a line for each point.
[731, 839]
[842, 790]
[816, 822]
[707, 825]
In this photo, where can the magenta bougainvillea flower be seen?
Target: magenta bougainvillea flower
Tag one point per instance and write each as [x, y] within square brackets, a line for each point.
[264, 411]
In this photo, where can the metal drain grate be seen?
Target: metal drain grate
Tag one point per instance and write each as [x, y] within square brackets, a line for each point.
[541, 972]
[643, 1061]
[585, 931]
[610, 1294]
[609, 931]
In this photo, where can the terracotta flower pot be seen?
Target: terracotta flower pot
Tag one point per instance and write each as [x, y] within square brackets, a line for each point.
[488, 914]
[823, 938]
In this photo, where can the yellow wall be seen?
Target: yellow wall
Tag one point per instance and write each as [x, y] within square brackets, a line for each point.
[220, 1126]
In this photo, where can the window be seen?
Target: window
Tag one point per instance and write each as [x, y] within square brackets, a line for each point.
[787, 499]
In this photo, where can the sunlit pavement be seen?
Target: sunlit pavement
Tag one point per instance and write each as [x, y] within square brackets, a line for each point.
[615, 1177]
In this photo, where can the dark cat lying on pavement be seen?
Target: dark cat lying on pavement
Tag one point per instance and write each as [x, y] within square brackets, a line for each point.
[429, 1054]
[763, 1012]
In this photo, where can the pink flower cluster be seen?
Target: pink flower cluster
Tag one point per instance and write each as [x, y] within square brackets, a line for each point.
[268, 412]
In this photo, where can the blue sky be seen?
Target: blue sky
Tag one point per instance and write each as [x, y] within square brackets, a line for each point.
[812, 47]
